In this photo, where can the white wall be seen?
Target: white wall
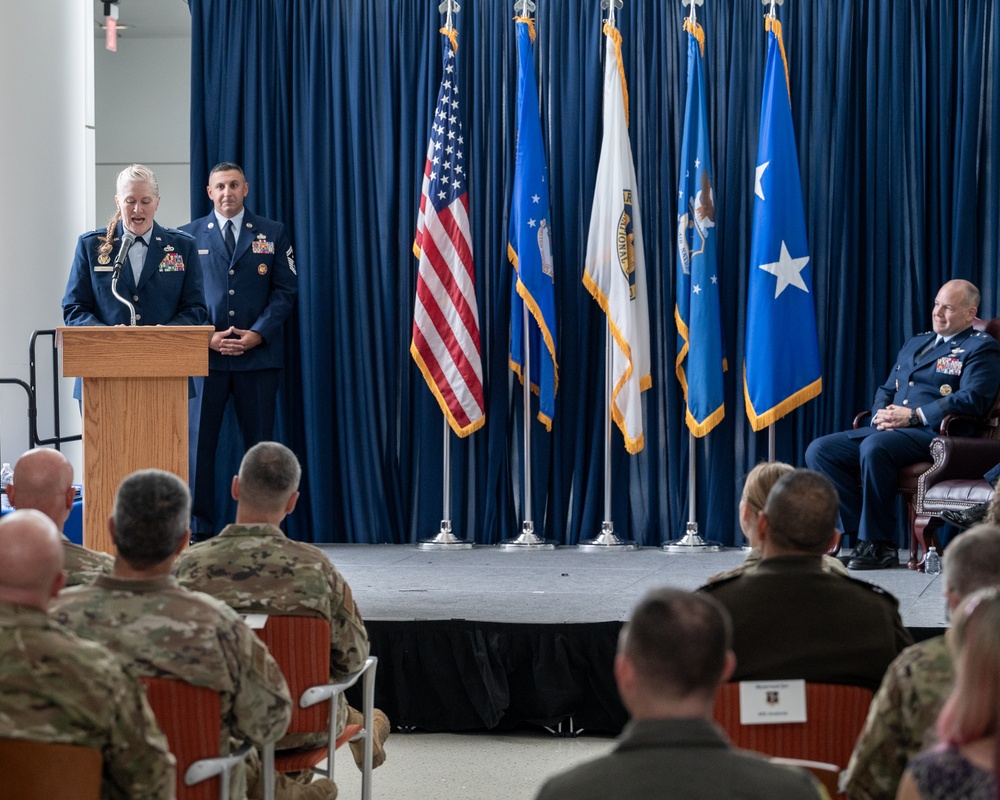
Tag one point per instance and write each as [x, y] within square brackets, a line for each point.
[46, 186]
[154, 74]
[74, 114]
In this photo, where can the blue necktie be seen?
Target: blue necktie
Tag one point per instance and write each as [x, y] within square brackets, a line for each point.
[229, 238]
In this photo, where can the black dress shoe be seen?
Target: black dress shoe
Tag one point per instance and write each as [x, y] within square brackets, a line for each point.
[966, 518]
[874, 555]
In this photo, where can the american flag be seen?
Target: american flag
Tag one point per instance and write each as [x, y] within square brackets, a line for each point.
[445, 315]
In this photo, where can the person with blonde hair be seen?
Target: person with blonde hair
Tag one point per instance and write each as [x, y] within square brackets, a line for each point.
[160, 273]
[756, 488]
[964, 764]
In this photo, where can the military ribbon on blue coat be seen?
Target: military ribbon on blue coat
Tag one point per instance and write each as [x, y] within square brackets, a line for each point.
[615, 269]
[700, 355]
[781, 364]
[530, 242]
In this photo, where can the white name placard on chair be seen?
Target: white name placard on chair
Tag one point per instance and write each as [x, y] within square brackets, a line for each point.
[772, 702]
[255, 621]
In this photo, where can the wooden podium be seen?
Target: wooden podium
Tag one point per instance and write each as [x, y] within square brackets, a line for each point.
[135, 406]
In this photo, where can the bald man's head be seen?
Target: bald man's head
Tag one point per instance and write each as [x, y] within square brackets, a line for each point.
[31, 559]
[43, 480]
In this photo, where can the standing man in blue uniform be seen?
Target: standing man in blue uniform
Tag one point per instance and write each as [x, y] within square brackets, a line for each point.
[250, 286]
[953, 369]
[161, 275]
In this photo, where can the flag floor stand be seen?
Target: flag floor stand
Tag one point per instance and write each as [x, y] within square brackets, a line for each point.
[445, 540]
[606, 541]
[691, 542]
[528, 540]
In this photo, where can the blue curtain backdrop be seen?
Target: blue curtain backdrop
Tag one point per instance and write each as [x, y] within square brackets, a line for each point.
[327, 105]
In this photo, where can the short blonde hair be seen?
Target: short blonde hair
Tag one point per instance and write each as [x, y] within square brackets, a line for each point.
[760, 480]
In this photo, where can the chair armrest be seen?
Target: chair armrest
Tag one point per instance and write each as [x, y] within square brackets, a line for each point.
[961, 458]
[984, 425]
[206, 768]
[319, 694]
[859, 419]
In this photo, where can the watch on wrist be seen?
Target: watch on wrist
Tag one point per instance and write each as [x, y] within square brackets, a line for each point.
[914, 419]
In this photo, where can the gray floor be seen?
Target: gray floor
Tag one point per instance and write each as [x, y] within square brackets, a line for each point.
[398, 582]
[451, 766]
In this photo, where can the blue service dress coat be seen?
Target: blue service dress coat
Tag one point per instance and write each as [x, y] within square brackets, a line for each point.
[960, 376]
[170, 290]
[254, 291]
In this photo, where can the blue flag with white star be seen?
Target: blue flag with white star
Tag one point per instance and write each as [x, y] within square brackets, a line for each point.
[700, 354]
[529, 245]
[781, 362]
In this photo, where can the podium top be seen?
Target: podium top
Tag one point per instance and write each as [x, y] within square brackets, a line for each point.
[146, 351]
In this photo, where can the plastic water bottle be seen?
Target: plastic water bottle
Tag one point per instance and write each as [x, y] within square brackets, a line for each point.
[932, 562]
[6, 476]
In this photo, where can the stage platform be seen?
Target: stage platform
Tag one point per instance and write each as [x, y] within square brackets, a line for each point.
[489, 639]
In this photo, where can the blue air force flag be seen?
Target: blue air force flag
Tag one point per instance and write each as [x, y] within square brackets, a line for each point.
[615, 270]
[781, 366]
[529, 245]
[700, 360]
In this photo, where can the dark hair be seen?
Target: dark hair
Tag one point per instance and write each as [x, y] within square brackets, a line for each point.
[678, 641]
[226, 166]
[269, 474]
[801, 512]
[152, 516]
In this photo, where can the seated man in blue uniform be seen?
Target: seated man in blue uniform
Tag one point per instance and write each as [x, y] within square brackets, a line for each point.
[953, 369]
[250, 285]
[160, 272]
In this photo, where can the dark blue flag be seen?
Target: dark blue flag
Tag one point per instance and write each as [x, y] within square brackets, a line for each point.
[700, 355]
[781, 363]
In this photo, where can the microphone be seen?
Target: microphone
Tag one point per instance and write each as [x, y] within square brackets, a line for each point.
[128, 238]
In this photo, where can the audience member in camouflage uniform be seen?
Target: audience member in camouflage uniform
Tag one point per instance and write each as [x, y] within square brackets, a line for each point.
[756, 487]
[43, 480]
[902, 715]
[255, 568]
[60, 688]
[162, 630]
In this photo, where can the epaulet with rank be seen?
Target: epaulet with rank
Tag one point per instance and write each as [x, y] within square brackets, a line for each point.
[179, 232]
[981, 335]
[98, 232]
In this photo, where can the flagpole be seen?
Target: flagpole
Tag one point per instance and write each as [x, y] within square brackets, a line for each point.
[691, 541]
[528, 540]
[607, 540]
[445, 539]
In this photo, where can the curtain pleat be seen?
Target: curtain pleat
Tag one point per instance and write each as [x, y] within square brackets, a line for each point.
[327, 105]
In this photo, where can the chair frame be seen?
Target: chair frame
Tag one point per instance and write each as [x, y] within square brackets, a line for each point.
[321, 693]
[194, 704]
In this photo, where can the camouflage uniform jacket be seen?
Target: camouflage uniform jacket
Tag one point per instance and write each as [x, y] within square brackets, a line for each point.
[56, 687]
[901, 717]
[753, 559]
[256, 569]
[162, 630]
[83, 565]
